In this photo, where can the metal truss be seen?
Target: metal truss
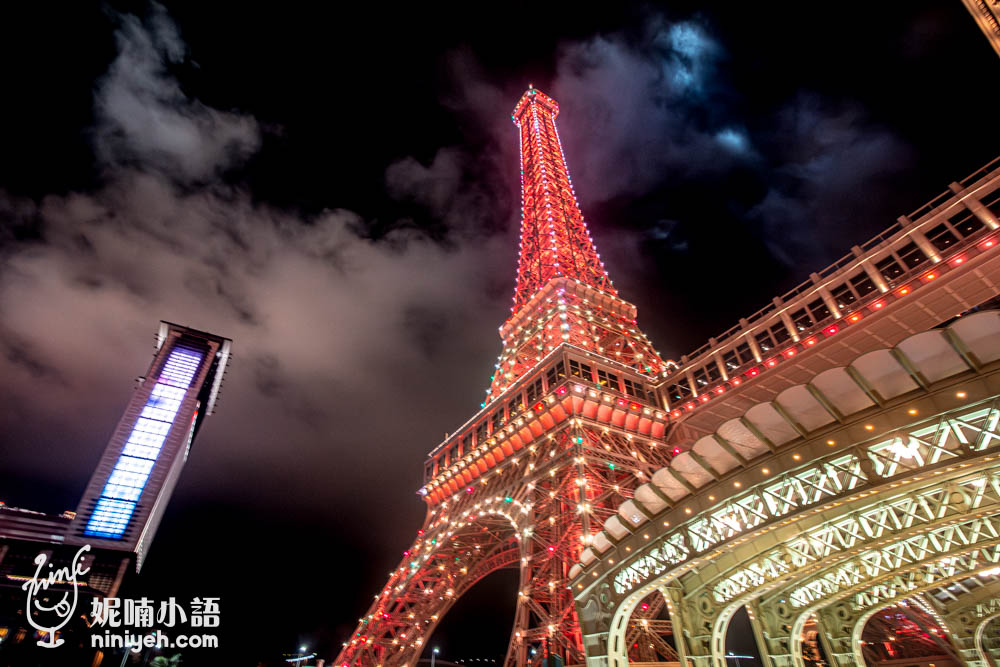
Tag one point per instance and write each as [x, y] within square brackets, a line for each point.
[896, 571]
[954, 437]
[989, 608]
[648, 629]
[936, 555]
[842, 617]
[536, 512]
[968, 595]
[972, 561]
[822, 544]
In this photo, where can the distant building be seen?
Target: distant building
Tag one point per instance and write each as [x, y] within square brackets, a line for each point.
[127, 494]
[22, 524]
[131, 486]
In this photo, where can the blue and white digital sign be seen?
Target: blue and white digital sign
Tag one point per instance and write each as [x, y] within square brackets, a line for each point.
[121, 493]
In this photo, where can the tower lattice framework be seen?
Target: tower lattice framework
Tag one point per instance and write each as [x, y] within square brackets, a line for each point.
[568, 430]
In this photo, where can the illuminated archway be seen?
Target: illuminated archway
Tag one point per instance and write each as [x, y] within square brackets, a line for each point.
[907, 630]
[480, 623]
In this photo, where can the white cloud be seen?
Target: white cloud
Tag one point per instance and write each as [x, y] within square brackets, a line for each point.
[143, 116]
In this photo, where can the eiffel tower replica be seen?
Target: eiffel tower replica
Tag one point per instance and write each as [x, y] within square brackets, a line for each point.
[570, 427]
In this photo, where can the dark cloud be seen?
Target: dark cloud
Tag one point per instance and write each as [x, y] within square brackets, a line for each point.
[461, 190]
[836, 165]
[640, 111]
[636, 110]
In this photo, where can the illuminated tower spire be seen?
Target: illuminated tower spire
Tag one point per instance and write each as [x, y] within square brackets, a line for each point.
[554, 239]
[563, 293]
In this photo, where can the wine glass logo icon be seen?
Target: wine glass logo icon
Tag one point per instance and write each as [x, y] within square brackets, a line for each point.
[62, 610]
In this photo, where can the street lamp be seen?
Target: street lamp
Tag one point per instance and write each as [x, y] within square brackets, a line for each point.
[434, 655]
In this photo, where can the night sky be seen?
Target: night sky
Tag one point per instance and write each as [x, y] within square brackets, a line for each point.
[336, 190]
